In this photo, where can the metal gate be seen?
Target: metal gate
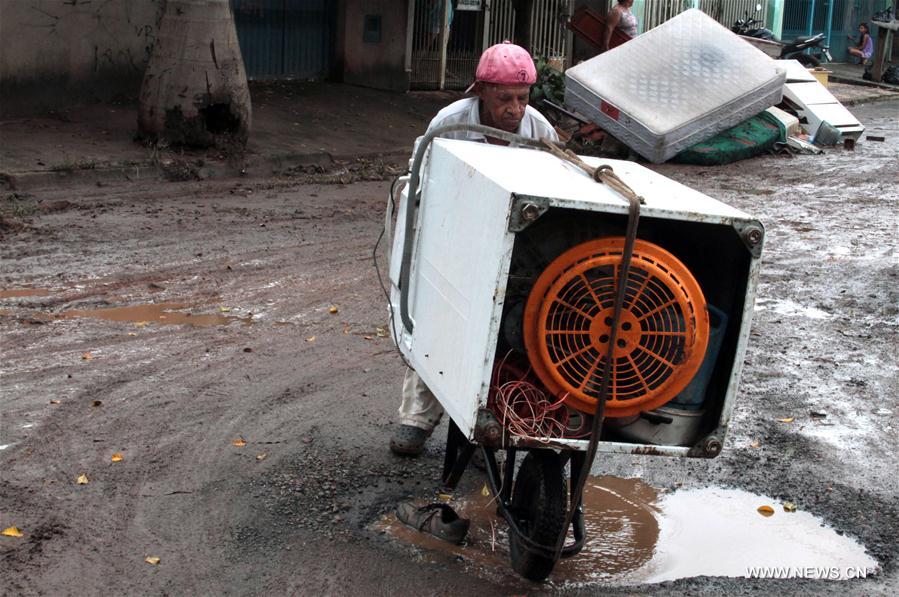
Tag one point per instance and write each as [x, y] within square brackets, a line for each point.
[472, 27]
[656, 12]
[285, 38]
[808, 17]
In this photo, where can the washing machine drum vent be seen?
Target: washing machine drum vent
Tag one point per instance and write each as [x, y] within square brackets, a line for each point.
[662, 335]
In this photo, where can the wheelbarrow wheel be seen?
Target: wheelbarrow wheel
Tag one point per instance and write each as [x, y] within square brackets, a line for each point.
[539, 505]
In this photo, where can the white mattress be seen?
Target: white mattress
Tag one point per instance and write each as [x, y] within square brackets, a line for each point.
[675, 85]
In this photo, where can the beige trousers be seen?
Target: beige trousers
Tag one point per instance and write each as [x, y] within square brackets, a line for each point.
[419, 407]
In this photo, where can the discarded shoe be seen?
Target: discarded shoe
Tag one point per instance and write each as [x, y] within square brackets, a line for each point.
[436, 519]
[409, 440]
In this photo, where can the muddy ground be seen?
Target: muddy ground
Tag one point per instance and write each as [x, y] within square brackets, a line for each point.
[312, 392]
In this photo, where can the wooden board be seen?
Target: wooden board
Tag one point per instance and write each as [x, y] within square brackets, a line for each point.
[590, 26]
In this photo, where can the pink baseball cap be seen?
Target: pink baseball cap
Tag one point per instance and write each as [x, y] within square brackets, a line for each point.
[506, 64]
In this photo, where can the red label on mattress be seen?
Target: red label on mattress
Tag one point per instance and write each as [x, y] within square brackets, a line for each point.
[609, 110]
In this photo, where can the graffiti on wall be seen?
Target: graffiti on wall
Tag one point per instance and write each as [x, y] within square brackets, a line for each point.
[119, 33]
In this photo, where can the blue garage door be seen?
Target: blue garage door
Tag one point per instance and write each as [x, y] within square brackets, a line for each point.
[282, 39]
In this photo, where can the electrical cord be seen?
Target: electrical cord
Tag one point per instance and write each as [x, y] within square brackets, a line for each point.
[602, 174]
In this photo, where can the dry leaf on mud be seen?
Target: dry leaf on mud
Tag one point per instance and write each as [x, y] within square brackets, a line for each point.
[381, 332]
[346, 330]
[86, 356]
[310, 339]
[766, 511]
[11, 532]
[787, 420]
[366, 337]
[332, 309]
[756, 444]
[261, 456]
[141, 324]
[789, 507]
[225, 309]
[117, 457]
[54, 402]
[82, 479]
[132, 333]
[154, 560]
[239, 442]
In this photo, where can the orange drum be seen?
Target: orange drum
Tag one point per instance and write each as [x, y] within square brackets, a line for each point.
[662, 335]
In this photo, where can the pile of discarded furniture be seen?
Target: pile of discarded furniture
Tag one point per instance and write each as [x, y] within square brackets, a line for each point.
[690, 90]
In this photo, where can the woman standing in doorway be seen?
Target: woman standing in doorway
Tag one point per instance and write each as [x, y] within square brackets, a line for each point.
[621, 18]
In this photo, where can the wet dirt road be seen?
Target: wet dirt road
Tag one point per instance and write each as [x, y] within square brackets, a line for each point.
[252, 420]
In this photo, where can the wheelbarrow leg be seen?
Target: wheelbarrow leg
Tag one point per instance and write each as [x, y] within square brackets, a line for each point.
[458, 454]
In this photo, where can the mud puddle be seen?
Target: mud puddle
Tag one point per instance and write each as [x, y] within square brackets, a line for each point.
[23, 292]
[160, 313]
[637, 535]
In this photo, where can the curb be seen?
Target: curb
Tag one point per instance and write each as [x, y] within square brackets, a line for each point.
[862, 82]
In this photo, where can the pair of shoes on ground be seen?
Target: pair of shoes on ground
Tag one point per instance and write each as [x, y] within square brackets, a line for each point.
[436, 519]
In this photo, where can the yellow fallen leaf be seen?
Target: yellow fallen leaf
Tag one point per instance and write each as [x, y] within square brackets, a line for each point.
[117, 457]
[132, 333]
[153, 560]
[332, 309]
[766, 511]
[82, 479]
[141, 324]
[239, 442]
[86, 356]
[444, 497]
[789, 507]
[787, 420]
[225, 309]
[261, 456]
[485, 491]
[381, 332]
[310, 339]
[11, 532]
[54, 402]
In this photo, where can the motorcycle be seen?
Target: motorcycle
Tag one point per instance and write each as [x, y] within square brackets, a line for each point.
[749, 27]
[796, 49]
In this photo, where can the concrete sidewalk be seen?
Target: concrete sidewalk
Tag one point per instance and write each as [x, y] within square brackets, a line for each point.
[853, 74]
[294, 124]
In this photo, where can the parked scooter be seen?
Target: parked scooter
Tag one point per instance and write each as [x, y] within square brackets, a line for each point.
[796, 50]
[751, 27]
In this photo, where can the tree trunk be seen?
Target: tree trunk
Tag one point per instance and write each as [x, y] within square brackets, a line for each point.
[195, 87]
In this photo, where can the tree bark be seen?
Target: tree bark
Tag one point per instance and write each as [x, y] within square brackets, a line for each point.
[195, 89]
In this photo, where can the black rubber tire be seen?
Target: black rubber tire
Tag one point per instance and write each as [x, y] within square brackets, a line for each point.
[539, 503]
[807, 60]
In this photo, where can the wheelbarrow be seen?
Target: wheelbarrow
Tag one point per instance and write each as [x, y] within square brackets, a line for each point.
[560, 307]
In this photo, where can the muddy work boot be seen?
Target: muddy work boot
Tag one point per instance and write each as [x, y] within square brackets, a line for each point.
[435, 519]
[409, 440]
